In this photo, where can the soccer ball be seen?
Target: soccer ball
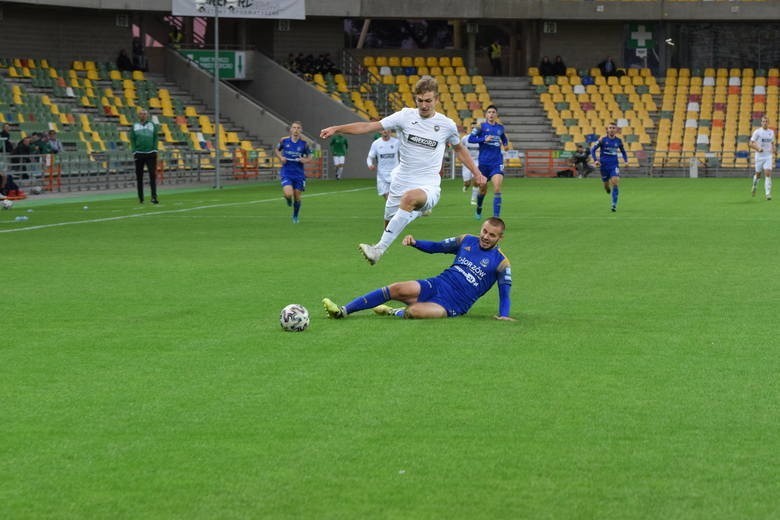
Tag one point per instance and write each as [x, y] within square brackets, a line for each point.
[294, 318]
[7, 203]
[36, 190]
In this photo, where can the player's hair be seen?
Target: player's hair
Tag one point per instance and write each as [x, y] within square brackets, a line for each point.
[426, 84]
[295, 123]
[495, 221]
[491, 106]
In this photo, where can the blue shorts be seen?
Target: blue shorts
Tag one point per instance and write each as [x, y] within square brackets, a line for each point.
[609, 171]
[434, 291]
[297, 182]
[488, 170]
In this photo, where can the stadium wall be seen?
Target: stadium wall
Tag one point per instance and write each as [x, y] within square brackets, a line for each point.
[491, 9]
[61, 35]
[293, 99]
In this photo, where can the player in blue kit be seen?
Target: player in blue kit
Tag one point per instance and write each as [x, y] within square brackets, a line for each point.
[490, 136]
[479, 263]
[294, 152]
[607, 161]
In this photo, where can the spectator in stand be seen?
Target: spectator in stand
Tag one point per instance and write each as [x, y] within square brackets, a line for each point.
[43, 145]
[139, 58]
[292, 64]
[494, 52]
[546, 67]
[21, 154]
[123, 61]
[330, 66]
[175, 38]
[55, 146]
[559, 67]
[6, 146]
[608, 67]
[38, 146]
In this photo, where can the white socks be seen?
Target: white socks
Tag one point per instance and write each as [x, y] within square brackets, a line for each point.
[395, 227]
[768, 186]
[474, 193]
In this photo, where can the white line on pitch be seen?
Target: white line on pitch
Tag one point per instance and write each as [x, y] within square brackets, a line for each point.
[164, 212]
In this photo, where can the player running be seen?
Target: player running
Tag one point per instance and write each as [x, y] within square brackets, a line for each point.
[607, 161]
[415, 187]
[763, 142]
[294, 152]
[383, 157]
[492, 140]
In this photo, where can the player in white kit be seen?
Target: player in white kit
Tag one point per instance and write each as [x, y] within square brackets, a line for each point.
[383, 157]
[763, 142]
[415, 186]
[473, 149]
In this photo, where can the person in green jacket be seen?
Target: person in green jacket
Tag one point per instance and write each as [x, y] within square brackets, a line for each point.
[143, 138]
[338, 150]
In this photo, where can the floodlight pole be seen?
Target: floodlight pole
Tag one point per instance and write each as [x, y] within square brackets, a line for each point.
[217, 179]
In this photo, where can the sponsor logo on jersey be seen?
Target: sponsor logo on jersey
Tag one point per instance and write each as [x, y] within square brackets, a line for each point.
[422, 141]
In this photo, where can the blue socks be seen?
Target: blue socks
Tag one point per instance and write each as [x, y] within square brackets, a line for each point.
[368, 301]
[296, 208]
[614, 195]
[496, 205]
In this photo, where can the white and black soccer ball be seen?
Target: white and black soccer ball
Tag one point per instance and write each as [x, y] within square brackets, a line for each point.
[7, 203]
[36, 190]
[294, 318]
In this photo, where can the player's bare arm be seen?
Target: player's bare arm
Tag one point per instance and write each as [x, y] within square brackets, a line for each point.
[361, 127]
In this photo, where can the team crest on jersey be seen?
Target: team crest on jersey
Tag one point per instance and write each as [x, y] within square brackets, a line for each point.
[436, 128]
[484, 262]
[467, 248]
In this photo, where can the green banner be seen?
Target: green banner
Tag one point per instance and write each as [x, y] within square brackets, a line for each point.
[232, 64]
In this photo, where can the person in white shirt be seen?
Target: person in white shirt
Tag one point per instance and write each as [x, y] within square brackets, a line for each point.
[473, 149]
[415, 186]
[763, 142]
[383, 157]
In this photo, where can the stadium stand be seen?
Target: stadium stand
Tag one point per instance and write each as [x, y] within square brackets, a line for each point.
[92, 106]
[581, 104]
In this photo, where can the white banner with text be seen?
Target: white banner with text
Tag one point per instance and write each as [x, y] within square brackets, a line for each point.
[283, 9]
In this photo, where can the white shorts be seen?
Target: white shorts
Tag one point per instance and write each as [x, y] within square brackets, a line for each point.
[466, 173]
[338, 160]
[764, 163]
[382, 183]
[432, 194]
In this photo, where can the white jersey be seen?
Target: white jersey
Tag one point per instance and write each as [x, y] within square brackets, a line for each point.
[765, 139]
[473, 148]
[385, 154]
[423, 142]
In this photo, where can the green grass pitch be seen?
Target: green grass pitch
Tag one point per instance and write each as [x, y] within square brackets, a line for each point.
[143, 372]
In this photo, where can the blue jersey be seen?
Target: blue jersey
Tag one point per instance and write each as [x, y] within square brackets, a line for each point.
[293, 151]
[471, 275]
[489, 151]
[610, 146]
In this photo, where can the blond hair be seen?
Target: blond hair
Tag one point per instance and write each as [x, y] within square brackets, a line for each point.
[426, 84]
